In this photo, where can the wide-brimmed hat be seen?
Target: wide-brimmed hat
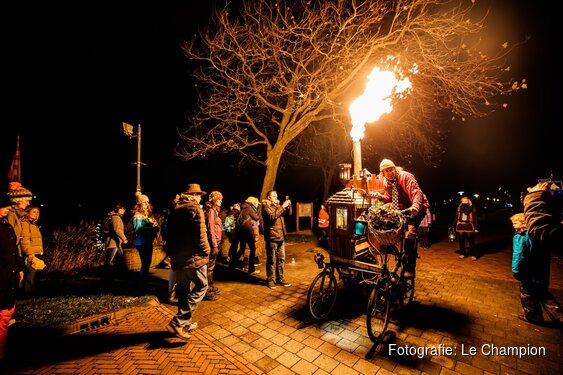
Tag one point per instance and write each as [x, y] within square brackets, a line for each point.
[194, 189]
[253, 200]
[5, 200]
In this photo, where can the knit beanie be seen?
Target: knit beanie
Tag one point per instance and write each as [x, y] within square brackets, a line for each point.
[18, 193]
[386, 163]
[141, 198]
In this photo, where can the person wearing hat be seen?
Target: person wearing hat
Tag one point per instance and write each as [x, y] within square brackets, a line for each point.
[402, 191]
[11, 270]
[21, 197]
[248, 229]
[188, 247]
[215, 234]
[146, 229]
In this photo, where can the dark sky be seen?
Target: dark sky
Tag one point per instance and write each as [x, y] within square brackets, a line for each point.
[74, 73]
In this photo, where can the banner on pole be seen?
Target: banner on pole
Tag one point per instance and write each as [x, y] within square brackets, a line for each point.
[15, 172]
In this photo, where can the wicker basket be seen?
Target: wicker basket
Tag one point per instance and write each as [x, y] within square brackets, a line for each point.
[133, 261]
[386, 237]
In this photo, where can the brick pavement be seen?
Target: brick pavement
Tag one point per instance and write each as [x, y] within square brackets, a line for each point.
[252, 329]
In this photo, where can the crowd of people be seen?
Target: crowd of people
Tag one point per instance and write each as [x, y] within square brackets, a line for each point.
[197, 233]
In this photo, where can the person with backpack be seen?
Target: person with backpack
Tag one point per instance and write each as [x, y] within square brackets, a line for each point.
[247, 232]
[113, 236]
[230, 227]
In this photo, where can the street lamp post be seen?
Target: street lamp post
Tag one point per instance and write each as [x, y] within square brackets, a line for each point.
[128, 130]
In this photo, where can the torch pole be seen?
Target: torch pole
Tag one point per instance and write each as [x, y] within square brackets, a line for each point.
[139, 158]
[357, 152]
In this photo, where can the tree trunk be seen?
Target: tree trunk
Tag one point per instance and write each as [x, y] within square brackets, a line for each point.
[273, 158]
[327, 175]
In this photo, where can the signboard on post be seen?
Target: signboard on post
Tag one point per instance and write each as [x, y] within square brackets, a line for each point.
[304, 210]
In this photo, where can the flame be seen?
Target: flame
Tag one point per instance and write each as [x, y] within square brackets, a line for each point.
[376, 100]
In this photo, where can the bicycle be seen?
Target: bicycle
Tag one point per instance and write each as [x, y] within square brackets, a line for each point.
[391, 285]
[377, 265]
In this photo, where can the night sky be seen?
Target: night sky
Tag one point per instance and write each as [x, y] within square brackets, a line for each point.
[74, 73]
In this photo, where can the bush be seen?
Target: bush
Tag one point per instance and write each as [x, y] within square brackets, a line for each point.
[73, 248]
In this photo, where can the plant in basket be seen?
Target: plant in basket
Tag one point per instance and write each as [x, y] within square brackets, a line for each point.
[385, 224]
[384, 218]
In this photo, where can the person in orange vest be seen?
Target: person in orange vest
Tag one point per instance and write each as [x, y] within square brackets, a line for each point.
[323, 222]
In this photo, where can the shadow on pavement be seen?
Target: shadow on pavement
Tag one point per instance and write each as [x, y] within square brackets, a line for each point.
[425, 317]
[48, 350]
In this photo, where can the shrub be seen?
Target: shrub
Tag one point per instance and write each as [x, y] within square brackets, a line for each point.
[72, 248]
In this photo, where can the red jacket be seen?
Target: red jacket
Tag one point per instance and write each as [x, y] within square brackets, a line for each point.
[408, 183]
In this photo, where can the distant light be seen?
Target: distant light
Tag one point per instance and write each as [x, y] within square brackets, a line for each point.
[461, 192]
[476, 196]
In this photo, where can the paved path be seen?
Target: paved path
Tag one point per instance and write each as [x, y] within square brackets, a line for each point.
[251, 329]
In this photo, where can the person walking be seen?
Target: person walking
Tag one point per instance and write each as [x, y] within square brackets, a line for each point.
[11, 271]
[215, 234]
[32, 247]
[403, 192]
[465, 223]
[275, 235]
[113, 238]
[146, 229]
[188, 247]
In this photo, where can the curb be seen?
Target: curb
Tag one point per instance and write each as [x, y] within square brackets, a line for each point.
[96, 321]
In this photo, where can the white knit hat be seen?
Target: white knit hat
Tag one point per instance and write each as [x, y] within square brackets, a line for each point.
[386, 163]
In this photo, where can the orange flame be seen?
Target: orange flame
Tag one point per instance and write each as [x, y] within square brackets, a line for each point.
[376, 100]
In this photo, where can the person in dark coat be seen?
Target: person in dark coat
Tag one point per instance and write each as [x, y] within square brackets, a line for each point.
[247, 232]
[465, 224]
[543, 221]
[274, 235]
[188, 247]
[11, 271]
[113, 240]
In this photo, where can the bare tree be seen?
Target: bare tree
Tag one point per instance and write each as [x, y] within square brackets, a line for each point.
[322, 146]
[268, 70]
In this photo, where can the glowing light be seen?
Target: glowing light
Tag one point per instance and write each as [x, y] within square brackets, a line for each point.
[382, 86]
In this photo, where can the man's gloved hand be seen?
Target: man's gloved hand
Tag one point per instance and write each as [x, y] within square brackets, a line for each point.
[407, 212]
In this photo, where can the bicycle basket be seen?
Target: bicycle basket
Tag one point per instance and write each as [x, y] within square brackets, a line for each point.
[385, 224]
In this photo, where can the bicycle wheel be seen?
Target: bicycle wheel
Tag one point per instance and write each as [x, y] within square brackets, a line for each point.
[377, 317]
[321, 296]
[407, 292]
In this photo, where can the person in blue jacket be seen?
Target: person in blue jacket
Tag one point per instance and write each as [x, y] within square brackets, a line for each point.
[530, 266]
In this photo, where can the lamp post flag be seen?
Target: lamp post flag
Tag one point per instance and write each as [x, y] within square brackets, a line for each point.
[15, 172]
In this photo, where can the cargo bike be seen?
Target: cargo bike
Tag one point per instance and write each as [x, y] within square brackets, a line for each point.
[363, 250]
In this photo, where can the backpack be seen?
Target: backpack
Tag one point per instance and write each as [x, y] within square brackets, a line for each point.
[229, 224]
[105, 226]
